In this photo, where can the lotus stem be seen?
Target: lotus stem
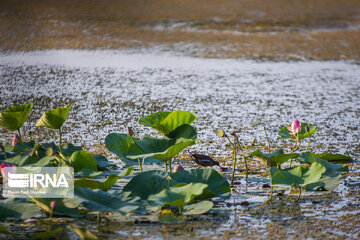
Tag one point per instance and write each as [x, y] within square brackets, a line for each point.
[294, 149]
[98, 217]
[133, 140]
[166, 167]
[19, 134]
[299, 195]
[170, 170]
[308, 144]
[246, 168]
[245, 158]
[234, 163]
[140, 166]
[271, 187]
[267, 139]
[179, 210]
[60, 142]
[5, 155]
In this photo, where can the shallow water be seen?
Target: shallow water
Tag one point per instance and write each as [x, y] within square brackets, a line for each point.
[112, 89]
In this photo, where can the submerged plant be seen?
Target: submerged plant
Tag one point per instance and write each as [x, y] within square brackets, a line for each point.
[54, 119]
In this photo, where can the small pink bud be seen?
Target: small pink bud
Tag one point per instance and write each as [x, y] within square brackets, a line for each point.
[129, 131]
[295, 127]
[53, 205]
[178, 168]
[5, 168]
[16, 139]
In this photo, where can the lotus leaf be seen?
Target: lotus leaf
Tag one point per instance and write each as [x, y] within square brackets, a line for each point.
[332, 176]
[300, 176]
[83, 161]
[285, 133]
[178, 196]
[98, 200]
[83, 233]
[166, 122]
[149, 147]
[14, 117]
[218, 186]
[14, 208]
[274, 158]
[55, 118]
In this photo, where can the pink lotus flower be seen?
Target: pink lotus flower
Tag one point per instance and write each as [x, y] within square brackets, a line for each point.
[53, 205]
[294, 128]
[9, 168]
[16, 139]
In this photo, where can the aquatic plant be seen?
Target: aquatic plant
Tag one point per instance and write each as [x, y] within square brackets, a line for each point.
[14, 117]
[54, 119]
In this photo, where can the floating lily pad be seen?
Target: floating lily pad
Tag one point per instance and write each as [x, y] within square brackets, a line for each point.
[166, 122]
[285, 133]
[48, 234]
[14, 117]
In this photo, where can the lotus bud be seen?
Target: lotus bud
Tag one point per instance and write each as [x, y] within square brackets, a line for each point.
[53, 205]
[50, 151]
[129, 131]
[295, 127]
[307, 129]
[178, 168]
[11, 168]
[16, 139]
[221, 133]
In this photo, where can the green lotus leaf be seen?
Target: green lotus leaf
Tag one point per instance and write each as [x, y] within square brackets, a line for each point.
[162, 149]
[218, 186]
[98, 200]
[14, 117]
[147, 183]
[121, 145]
[55, 118]
[48, 234]
[334, 157]
[83, 161]
[166, 122]
[60, 210]
[83, 233]
[274, 158]
[285, 133]
[93, 184]
[178, 196]
[300, 176]
[14, 208]
[332, 176]
[197, 208]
